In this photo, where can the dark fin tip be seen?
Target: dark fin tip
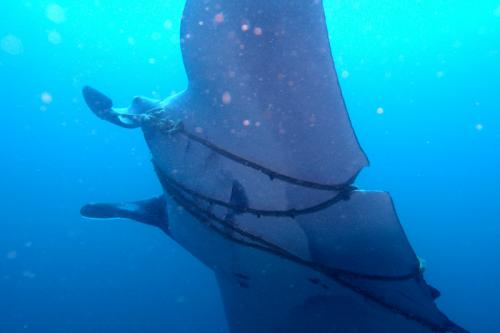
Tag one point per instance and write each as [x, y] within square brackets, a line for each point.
[96, 101]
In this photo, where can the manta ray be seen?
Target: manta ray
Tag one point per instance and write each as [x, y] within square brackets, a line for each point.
[257, 160]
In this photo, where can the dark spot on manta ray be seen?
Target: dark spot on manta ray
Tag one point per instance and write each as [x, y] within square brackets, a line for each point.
[314, 280]
[317, 281]
[244, 284]
[242, 276]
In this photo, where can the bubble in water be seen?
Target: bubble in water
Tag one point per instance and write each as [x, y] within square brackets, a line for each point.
[380, 110]
[55, 13]
[54, 37]
[12, 45]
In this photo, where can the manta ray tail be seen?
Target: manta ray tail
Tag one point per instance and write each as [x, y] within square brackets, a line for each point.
[151, 211]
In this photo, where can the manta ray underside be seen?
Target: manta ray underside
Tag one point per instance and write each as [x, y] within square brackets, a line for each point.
[257, 158]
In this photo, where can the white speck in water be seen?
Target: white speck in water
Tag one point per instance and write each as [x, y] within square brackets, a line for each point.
[245, 27]
[54, 37]
[12, 45]
[246, 122]
[11, 255]
[479, 127]
[380, 110]
[439, 74]
[29, 274]
[46, 97]
[156, 35]
[55, 13]
[167, 24]
[345, 74]
[257, 31]
[219, 18]
[226, 98]
[198, 130]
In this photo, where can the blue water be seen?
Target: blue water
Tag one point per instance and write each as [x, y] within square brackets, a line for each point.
[421, 82]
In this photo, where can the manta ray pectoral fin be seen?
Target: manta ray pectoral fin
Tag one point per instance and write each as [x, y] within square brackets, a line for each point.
[152, 211]
[102, 106]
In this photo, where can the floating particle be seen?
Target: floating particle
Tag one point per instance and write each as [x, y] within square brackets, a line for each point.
[245, 27]
[11, 255]
[54, 37]
[167, 24]
[479, 127]
[380, 110]
[257, 31]
[439, 74]
[152, 61]
[257, 124]
[131, 40]
[55, 13]
[219, 18]
[497, 11]
[46, 97]
[29, 274]
[12, 45]
[457, 44]
[198, 130]
[226, 97]
[246, 122]
[28, 244]
[156, 35]
[345, 74]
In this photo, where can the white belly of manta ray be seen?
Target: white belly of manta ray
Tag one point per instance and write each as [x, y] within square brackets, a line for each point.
[257, 159]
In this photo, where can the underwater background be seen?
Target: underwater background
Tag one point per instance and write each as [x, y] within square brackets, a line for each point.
[421, 81]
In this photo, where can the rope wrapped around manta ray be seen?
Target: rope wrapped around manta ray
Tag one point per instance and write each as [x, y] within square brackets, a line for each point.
[230, 231]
